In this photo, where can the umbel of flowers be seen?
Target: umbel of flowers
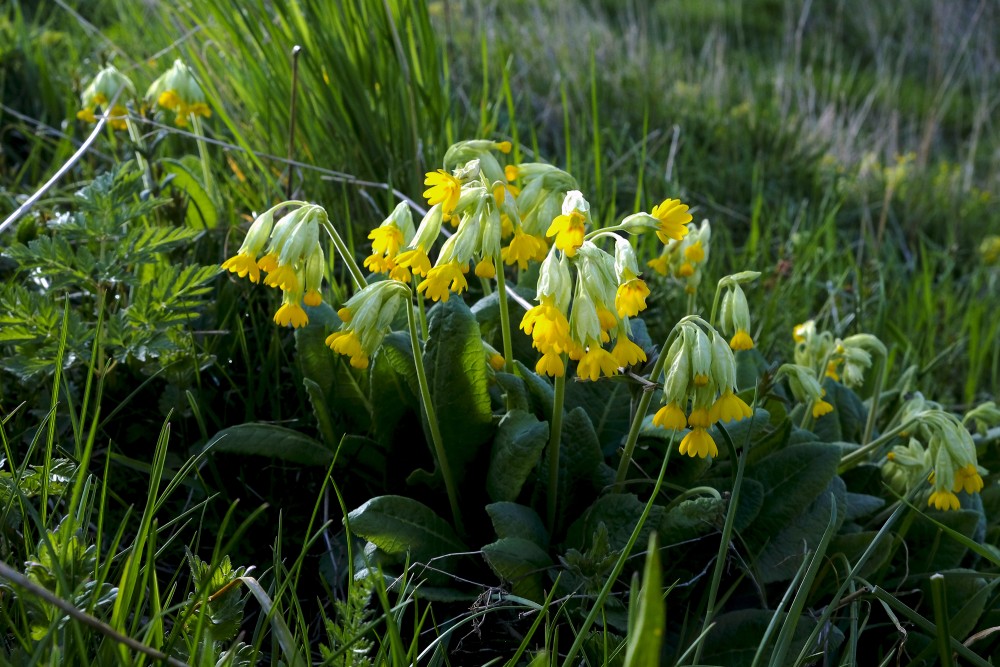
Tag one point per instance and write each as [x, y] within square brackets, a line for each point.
[289, 252]
[844, 360]
[937, 448]
[177, 90]
[108, 85]
[699, 386]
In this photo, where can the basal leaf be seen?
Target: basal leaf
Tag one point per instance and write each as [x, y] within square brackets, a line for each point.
[396, 525]
[783, 552]
[393, 386]
[270, 440]
[520, 562]
[847, 421]
[609, 406]
[517, 447]
[513, 520]
[456, 373]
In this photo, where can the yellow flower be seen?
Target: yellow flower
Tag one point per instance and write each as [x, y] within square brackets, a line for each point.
[550, 364]
[400, 273]
[510, 172]
[291, 313]
[670, 417]
[569, 231]
[660, 264]
[496, 361]
[967, 478]
[284, 277]
[548, 327]
[699, 418]
[699, 443]
[673, 217]
[627, 353]
[312, 298]
[630, 298]
[729, 407]
[345, 315]
[378, 264]
[741, 341]
[347, 344]
[831, 370]
[442, 280]
[944, 500]
[268, 262]
[504, 147]
[416, 260]
[820, 408]
[799, 332]
[243, 265]
[524, 248]
[596, 361]
[445, 190]
[695, 253]
[386, 240]
[485, 268]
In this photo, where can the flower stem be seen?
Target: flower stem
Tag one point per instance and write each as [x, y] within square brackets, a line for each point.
[640, 412]
[508, 350]
[147, 175]
[345, 254]
[422, 312]
[727, 534]
[555, 437]
[425, 396]
[855, 457]
[715, 303]
[876, 397]
[206, 171]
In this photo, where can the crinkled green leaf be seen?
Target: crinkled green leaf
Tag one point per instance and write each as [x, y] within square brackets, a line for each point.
[513, 520]
[271, 440]
[520, 562]
[517, 447]
[456, 374]
[396, 525]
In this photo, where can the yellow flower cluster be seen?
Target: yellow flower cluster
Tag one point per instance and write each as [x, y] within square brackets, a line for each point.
[293, 261]
[178, 91]
[108, 85]
[387, 240]
[683, 256]
[366, 319]
[842, 360]
[940, 450]
[699, 386]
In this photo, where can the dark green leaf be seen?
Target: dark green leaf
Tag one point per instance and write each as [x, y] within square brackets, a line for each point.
[513, 520]
[736, 636]
[847, 421]
[517, 447]
[520, 562]
[270, 440]
[456, 374]
[396, 525]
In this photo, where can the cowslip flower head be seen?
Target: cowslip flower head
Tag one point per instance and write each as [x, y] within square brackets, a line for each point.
[414, 257]
[387, 239]
[673, 218]
[366, 319]
[524, 248]
[805, 387]
[444, 189]
[109, 84]
[177, 90]
[734, 316]
[570, 227]
[463, 152]
[244, 262]
[444, 279]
